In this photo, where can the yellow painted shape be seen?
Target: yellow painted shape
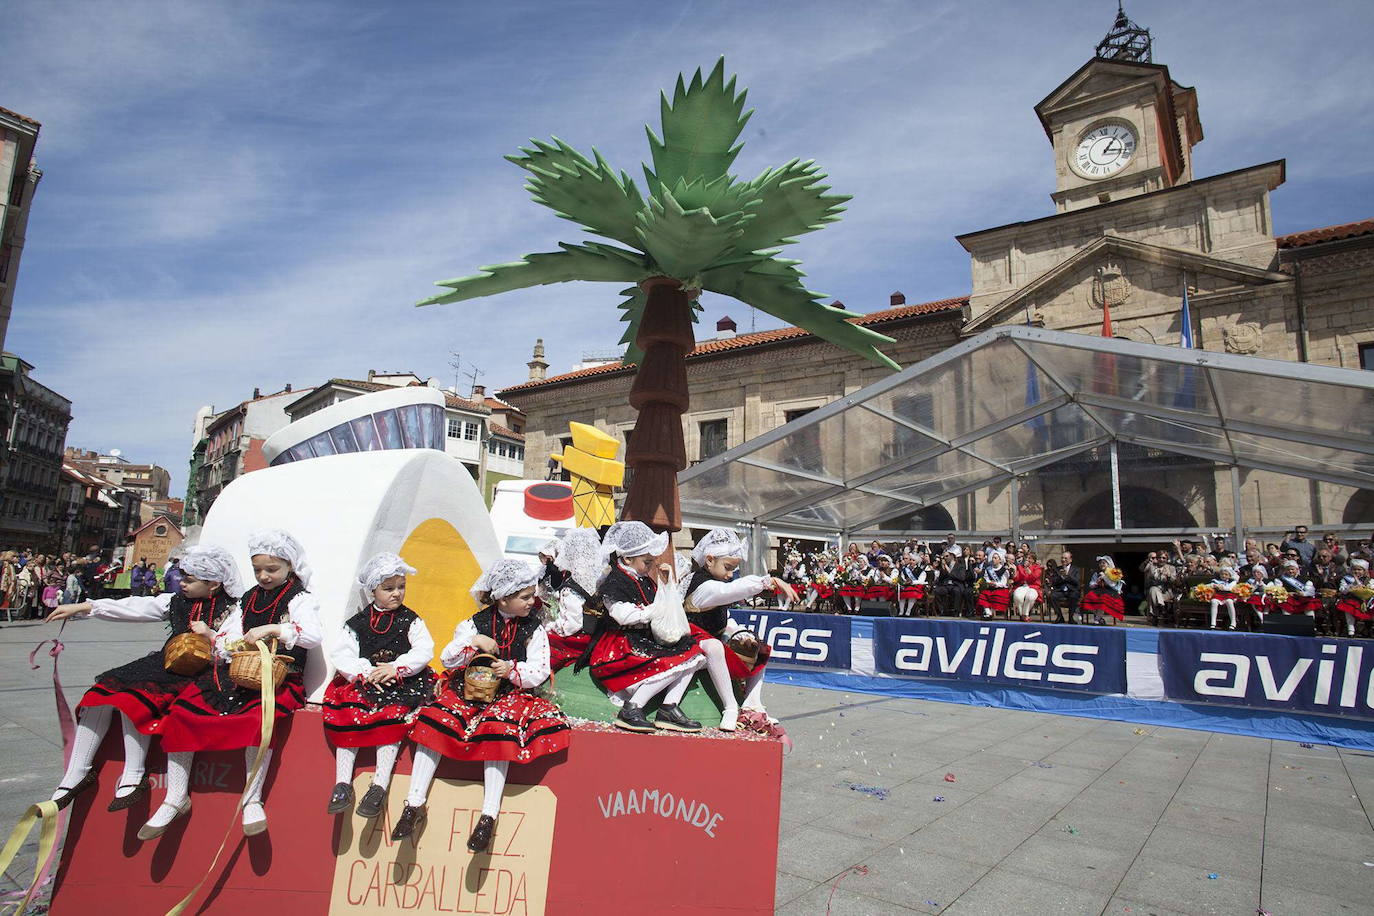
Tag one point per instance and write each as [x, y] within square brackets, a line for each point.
[438, 592]
[606, 471]
[593, 506]
[593, 441]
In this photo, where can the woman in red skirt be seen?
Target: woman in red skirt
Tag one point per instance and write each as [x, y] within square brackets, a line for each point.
[381, 676]
[579, 558]
[517, 726]
[142, 691]
[1302, 595]
[215, 714]
[711, 589]
[1355, 601]
[624, 656]
[912, 586]
[995, 595]
[1104, 592]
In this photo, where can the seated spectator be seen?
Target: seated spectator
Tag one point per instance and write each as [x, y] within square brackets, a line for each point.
[1161, 584]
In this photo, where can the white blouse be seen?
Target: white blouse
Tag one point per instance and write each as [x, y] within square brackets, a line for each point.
[300, 626]
[570, 608]
[532, 672]
[349, 662]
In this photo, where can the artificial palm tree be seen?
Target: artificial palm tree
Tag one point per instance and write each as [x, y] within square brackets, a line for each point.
[697, 228]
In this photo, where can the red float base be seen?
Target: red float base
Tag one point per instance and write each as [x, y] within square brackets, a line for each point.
[717, 852]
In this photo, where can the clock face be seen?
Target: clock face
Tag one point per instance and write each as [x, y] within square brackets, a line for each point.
[1104, 151]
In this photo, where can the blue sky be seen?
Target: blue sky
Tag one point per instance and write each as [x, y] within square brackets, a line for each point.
[241, 195]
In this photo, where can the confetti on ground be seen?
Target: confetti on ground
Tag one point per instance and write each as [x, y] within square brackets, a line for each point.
[877, 792]
[1305, 744]
[949, 777]
[1212, 876]
[1369, 864]
[1072, 831]
[1042, 765]
[1261, 911]
[856, 870]
[938, 798]
[1139, 731]
[931, 903]
[1289, 767]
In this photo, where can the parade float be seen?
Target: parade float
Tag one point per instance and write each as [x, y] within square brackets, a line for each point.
[369, 474]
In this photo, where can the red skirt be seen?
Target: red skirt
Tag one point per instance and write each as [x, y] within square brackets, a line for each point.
[200, 721]
[142, 690]
[1354, 606]
[913, 592]
[1301, 604]
[880, 593]
[994, 599]
[738, 668]
[518, 726]
[823, 591]
[1100, 602]
[616, 663]
[851, 591]
[564, 650]
[357, 716]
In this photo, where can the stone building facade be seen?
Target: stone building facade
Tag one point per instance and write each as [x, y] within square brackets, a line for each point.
[1133, 229]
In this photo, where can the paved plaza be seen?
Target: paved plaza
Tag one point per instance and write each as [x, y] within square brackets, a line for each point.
[1045, 814]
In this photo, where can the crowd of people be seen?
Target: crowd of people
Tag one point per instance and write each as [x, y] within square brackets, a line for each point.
[33, 584]
[645, 629]
[1325, 579]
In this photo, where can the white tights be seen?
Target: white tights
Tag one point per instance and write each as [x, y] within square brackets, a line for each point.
[1230, 610]
[345, 757]
[851, 603]
[91, 726]
[677, 688]
[714, 650]
[178, 788]
[427, 763]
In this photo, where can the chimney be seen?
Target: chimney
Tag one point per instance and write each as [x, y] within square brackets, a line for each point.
[479, 392]
[725, 328]
[898, 298]
[539, 367]
[257, 393]
[370, 374]
[287, 389]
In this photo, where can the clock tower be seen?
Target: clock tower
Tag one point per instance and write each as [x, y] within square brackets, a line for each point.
[1120, 126]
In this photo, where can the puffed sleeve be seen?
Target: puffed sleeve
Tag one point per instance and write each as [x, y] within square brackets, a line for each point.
[715, 593]
[570, 608]
[534, 670]
[629, 614]
[460, 651]
[133, 610]
[302, 628]
[420, 653]
[229, 632]
[346, 658]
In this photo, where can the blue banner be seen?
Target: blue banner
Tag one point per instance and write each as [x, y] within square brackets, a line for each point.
[1291, 673]
[1087, 659]
[805, 640]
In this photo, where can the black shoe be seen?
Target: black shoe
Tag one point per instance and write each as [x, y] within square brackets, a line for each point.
[120, 802]
[67, 795]
[373, 800]
[411, 818]
[632, 719]
[341, 799]
[671, 717]
[481, 834]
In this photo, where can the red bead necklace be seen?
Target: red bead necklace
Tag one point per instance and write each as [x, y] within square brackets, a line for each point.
[375, 614]
[504, 636]
[198, 606]
[252, 603]
[639, 588]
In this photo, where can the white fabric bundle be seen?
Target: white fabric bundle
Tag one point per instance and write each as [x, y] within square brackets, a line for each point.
[214, 564]
[632, 539]
[719, 542]
[579, 556]
[504, 578]
[277, 543]
[380, 568]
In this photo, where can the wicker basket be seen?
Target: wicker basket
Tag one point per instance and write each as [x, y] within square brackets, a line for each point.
[1363, 593]
[745, 644]
[187, 654]
[480, 683]
[245, 668]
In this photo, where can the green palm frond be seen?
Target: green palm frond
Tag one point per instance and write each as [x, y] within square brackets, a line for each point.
[774, 286]
[583, 190]
[683, 242]
[721, 197]
[792, 201]
[700, 130]
[592, 261]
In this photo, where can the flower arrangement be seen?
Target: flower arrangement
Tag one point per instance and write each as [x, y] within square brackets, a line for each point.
[1202, 592]
[1114, 574]
[1276, 592]
[822, 578]
[1244, 590]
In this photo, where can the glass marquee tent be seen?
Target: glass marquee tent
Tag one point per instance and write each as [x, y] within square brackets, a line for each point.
[1000, 406]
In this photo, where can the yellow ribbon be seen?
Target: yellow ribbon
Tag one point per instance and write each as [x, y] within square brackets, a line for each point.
[45, 813]
[269, 709]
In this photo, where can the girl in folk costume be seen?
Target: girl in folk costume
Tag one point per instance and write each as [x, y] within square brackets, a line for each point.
[912, 584]
[794, 573]
[515, 726]
[1356, 595]
[713, 587]
[142, 691]
[1302, 594]
[995, 595]
[1104, 592]
[579, 561]
[382, 675]
[1224, 593]
[821, 586]
[854, 581]
[215, 714]
[1256, 581]
[883, 581]
[624, 656]
[1026, 584]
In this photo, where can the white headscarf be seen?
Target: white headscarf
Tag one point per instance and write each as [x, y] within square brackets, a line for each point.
[719, 542]
[214, 564]
[580, 557]
[277, 543]
[380, 568]
[551, 548]
[504, 578]
[1110, 564]
[1360, 564]
[632, 539]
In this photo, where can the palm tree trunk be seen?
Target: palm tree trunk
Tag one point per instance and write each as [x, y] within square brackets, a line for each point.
[657, 451]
